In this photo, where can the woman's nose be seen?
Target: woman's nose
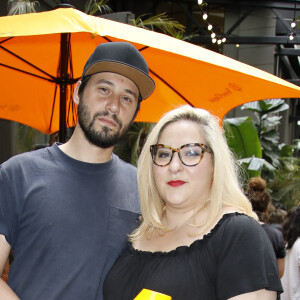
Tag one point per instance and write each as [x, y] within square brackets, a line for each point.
[175, 165]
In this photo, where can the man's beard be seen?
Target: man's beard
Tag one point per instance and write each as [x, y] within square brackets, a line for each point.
[104, 137]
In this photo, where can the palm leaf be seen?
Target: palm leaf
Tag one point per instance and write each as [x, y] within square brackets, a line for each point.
[20, 7]
[161, 22]
[93, 6]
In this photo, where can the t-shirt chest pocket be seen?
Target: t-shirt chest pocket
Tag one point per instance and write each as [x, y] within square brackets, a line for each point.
[121, 223]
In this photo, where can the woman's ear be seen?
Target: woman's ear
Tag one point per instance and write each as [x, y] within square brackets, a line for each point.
[76, 92]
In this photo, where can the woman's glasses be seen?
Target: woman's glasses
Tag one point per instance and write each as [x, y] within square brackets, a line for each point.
[189, 154]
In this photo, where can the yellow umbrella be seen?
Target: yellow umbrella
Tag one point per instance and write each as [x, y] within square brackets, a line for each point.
[42, 55]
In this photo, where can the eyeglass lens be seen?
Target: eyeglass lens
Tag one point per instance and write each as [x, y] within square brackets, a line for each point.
[189, 155]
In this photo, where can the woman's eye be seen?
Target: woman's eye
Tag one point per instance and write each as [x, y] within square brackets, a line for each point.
[163, 154]
[192, 153]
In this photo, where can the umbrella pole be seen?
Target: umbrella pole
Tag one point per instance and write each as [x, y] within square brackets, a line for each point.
[63, 86]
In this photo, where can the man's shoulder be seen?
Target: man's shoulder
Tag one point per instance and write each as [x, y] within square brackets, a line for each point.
[26, 159]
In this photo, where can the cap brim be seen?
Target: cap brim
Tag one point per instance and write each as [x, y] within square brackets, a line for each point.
[143, 81]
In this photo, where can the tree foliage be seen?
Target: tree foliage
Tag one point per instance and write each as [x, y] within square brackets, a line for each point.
[18, 7]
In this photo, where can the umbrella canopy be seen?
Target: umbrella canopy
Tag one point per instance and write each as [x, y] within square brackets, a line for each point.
[43, 54]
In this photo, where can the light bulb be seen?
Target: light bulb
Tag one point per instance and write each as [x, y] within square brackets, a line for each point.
[293, 24]
[214, 40]
[291, 37]
[200, 2]
[213, 35]
[224, 39]
[205, 16]
[209, 27]
[219, 42]
[237, 45]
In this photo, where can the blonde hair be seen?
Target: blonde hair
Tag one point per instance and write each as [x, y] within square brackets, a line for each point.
[226, 190]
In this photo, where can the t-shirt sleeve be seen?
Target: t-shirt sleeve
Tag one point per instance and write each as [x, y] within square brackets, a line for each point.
[8, 208]
[246, 259]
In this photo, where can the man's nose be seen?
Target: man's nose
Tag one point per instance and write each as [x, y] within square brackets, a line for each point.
[113, 103]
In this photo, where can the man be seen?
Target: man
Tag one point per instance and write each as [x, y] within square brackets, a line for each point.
[66, 210]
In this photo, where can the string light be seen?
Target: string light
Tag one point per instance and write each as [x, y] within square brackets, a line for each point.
[293, 24]
[213, 35]
[291, 36]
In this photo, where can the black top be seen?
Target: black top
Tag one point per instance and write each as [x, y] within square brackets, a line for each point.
[276, 239]
[236, 257]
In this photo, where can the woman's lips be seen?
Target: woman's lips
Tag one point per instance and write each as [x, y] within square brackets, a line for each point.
[176, 183]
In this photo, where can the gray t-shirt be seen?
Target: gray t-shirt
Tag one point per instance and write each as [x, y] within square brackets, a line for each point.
[66, 221]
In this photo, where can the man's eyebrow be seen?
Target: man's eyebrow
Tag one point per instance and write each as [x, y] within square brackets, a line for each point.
[104, 81]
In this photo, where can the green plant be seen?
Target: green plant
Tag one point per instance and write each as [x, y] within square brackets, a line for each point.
[18, 7]
[266, 122]
[280, 162]
[93, 6]
[161, 22]
[26, 138]
[285, 185]
[130, 147]
[247, 150]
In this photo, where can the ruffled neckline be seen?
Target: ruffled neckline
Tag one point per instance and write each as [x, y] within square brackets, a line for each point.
[184, 248]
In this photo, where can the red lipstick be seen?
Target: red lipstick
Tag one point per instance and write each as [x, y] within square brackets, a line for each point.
[176, 183]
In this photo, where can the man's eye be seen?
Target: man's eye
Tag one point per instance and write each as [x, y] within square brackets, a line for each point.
[104, 89]
[127, 99]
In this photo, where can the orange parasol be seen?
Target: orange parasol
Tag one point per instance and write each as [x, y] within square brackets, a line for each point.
[42, 55]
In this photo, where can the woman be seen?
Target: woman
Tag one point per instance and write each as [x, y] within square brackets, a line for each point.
[291, 277]
[260, 199]
[199, 238]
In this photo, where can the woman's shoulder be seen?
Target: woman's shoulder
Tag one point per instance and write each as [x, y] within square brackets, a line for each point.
[234, 224]
[234, 218]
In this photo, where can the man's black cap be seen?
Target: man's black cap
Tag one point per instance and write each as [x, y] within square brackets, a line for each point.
[124, 59]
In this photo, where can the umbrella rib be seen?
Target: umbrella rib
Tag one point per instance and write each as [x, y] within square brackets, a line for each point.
[173, 89]
[52, 112]
[27, 62]
[7, 40]
[22, 71]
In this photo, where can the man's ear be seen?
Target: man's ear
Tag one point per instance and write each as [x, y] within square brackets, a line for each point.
[76, 92]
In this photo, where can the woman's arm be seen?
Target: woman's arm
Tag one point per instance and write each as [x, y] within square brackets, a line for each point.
[280, 262]
[257, 295]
